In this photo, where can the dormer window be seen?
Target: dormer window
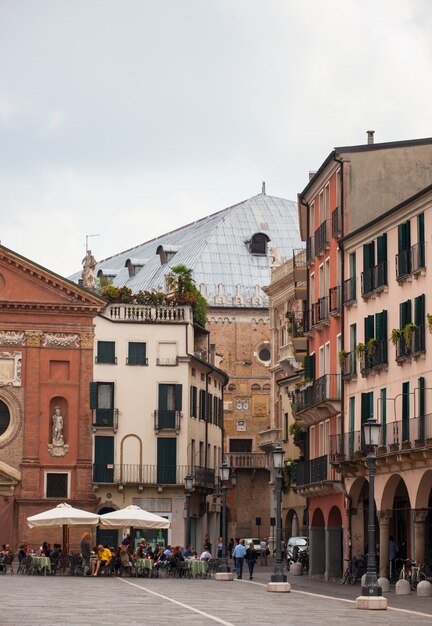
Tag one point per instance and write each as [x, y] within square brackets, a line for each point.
[166, 253]
[134, 266]
[107, 273]
[257, 244]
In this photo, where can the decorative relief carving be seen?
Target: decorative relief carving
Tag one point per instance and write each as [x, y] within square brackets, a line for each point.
[60, 340]
[12, 338]
[33, 338]
[87, 340]
[10, 368]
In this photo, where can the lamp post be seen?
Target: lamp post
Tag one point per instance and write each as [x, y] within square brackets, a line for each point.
[371, 597]
[188, 482]
[224, 570]
[278, 457]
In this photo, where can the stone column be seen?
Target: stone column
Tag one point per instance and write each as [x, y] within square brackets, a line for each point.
[419, 535]
[384, 518]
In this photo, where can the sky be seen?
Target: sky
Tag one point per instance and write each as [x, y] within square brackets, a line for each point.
[128, 118]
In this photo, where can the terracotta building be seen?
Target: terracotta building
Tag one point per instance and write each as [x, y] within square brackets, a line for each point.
[46, 365]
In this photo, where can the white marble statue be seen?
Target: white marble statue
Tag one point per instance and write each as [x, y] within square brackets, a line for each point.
[57, 427]
[89, 266]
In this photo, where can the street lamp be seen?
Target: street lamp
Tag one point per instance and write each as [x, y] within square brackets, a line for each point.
[224, 570]
[278, 458]
[371, 437]
[188, 483]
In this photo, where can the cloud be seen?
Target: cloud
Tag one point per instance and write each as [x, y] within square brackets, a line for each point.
[54, 122]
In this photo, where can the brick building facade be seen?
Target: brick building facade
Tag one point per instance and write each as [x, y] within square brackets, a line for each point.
[46, 365]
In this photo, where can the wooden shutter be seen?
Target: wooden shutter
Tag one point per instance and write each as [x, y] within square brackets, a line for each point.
[93, 395]
[166, 460]
[421, 238]
[309, 367]
[103, 459]
[369, 328]
[382, 248]
[419, 310]
[178, 397]
[202, 404]
[422, 398]
[136, 353]
[368, 255]
[163, 398]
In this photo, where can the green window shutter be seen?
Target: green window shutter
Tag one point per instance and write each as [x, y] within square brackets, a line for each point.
[136, 353]
[408, 312]
[421, 238]
[368, 255]
[309, 367]
[382, 248]
[103, 470]
[384, 416]
[365, 407]
[178, 397]
[210, 407]
[422, 398]
[404, 236]
[106, 352]
[369, 328]
[379, 326]
[166, 460]
[93, 395]
[419, 310]
[405, 313]
[163, 397]
[193, 401]
[405, 401]
[202, 404]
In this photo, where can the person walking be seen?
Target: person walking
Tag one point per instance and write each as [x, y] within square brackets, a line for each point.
[393, 555]
[251, 558]
[264, 550]
[239, 554]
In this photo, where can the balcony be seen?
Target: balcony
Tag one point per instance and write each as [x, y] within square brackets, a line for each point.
[167, 420]
[319, 400]
[336, 222]
[410, 262]
[300, 266]
[349, 291]
[349, 369]
[322, 239]
[167, 361]
[404, 351]
[375, 356]
[419, 340]
[147, 314]
[267, 438]
[246, 460]
[297, 327]
[335, 301]
[310, 250]
[308, 472]
[320, 315]
[143, 475]
[374, 280]
[402, 441]
[105, 418]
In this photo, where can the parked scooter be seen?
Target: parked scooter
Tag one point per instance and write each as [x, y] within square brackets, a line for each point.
[295, 554]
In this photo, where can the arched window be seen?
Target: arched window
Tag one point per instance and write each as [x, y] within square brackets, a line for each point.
[4, 418]
[258, 243]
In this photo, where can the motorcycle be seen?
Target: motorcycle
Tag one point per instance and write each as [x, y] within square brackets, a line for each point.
[296, 554]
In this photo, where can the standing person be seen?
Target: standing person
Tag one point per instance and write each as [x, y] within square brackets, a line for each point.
[207, 542]
[393, 554]
[219, 548]
[251, 558]
[239, 554]
[230, 547]
[85, 552]
[263, 551]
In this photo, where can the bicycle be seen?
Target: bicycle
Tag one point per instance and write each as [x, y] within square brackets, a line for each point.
[412, 572]
[350, 574]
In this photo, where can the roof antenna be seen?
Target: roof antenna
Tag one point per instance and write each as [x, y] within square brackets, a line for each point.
[87, 238]
[263, 188]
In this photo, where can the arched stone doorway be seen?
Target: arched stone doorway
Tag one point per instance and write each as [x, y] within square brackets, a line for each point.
[107, 537]
[423, 521]
[396, 500]
[317, 552]
[334, 544]
[292, 526]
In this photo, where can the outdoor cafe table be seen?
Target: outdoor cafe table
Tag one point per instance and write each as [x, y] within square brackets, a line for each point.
[197, 568]
[143, 564]
[42, 563]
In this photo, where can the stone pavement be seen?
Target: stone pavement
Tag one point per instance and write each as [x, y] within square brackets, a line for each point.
[64, 601]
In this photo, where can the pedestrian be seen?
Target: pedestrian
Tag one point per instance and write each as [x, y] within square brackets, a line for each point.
[207, 542]
[239, 555]
[393, 554]
[85, 552]
[251, 558]
[220, 548]
[230, 547]
[264, 551]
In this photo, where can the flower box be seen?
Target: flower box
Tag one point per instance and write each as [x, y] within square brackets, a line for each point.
[394, 447]
[419, 443]
[381, 449]
[406, 445]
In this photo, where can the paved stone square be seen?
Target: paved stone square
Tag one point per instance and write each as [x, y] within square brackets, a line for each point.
[58, 601]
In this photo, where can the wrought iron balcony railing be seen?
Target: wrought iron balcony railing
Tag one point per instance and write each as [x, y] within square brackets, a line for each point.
[349, 369]
[410, 261]
[105, 418]
[320, 311]
[322, 239]
[134, 474]
[335, 300]
[167, 420]
[309, 472]
[375, 356]
[374, 278]
[349, 290]
[325, 388]
[336, 220]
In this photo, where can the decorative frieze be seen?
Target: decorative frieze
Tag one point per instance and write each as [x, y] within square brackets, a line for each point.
[60, 340]
[12, 338]
[33, 338]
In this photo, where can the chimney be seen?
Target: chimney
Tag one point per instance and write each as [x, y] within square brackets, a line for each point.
[370, 136]
[263, 188]
[311, 174]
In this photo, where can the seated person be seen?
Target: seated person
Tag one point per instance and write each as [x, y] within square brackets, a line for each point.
[103, 557]
[56, 553]
[205, 555]
[149, 554]
[188, 552]
[168, 552]
[140, 554]
[22, 553]
[125, 559]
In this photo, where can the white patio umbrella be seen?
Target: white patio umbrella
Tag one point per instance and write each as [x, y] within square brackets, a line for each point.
[133, 517]
[63, 515]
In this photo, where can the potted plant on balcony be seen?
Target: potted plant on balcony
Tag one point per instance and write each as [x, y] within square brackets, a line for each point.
[371, 347]
[406, 444]
[407, 334]
[394, 447]
[339, 456]
[360, 350]
[381, 449]
[341, 357]
[419, 443]
[395, 336]
[428, 441]
[358, 454]
[429, 321]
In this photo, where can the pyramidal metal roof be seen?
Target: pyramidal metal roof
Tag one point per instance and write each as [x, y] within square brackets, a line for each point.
[216, 248]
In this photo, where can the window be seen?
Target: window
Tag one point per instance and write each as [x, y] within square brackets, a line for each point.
[103, 468]
[309, 367]
[420, 257]
[102, 403]
[4, 418]
[258, 244]
[170, 404]
[240, 445]
[405, 411]
[106, 352]
[202, 404]
[136, 353]
[166, 460]
[403, 259]
[419, 321]
[57, 485]
[264, 354]
[193, 401]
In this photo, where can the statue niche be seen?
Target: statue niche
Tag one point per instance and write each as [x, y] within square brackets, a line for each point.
[58, 447]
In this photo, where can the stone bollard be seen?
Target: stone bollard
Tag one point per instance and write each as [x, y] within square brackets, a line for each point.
[424, 589]
[403, 588]
[384, 583]
[296, 569]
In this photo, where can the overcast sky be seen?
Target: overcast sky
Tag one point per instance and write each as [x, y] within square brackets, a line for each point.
[128, 118]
